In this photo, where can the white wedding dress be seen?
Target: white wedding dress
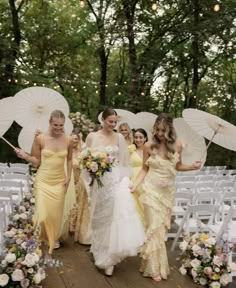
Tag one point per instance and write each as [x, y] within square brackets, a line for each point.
[117, 230]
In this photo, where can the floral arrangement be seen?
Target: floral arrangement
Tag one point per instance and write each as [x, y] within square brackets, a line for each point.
[96, 163]
[80, 121]
[20, 264]
[206, 260]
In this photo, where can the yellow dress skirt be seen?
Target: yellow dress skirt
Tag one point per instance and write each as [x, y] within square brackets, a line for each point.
[158, 200]
[136, 163]
[49, 195]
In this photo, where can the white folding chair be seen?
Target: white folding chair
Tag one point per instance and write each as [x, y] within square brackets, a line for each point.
[191, 222]
[3, 164]
[206, 178]
[18, 170]
[6, 199]
[15, 188]
[20, 165]
[24, 179]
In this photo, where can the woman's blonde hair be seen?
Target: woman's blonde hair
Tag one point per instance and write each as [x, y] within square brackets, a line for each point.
[126, 125]
[170, 135]
[57, 114]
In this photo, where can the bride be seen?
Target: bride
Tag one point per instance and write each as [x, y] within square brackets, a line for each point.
[117, 231]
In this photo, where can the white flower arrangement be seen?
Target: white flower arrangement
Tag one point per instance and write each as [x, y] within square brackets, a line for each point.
[20, 264]
[80, 121]
[205, 260]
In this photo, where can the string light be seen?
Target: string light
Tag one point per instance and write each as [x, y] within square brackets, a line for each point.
[81, 3]
[154, 6]
[216, 7]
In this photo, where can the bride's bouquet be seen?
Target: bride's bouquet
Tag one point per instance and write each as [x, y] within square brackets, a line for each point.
[96, 163]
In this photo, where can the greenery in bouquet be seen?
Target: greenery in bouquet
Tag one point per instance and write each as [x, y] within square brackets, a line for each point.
[96, 163]
[80, 121]
[206, 260]
[20, 264]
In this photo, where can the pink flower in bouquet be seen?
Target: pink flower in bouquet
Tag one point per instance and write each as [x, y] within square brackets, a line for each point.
[208, 270]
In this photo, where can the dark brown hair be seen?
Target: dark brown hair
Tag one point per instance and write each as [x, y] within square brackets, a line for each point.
[108, 112]
[142, 131]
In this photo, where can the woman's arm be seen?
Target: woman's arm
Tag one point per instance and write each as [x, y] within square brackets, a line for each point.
[89, 139]
[69, 163]
[35, 156]
[184, 167]
[144, 170]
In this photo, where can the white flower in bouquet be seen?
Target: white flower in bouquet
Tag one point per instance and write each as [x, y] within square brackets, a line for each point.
[182, 270]
[217, 260]
[194, 273]
[22, 209]
[4, 279]
[210, 242]
[41, 271]
[25, 283]
[16, 217]
[183, 245]
[195, 263]
[217, 269]
[37, 278]
[24, 245]
[31, 259]
[215, 284]
[225, 279]
[17, 275]
[32, 200]
[11, 233]
[94, 167]
[208, 270]
[28, 196]
[10, 257]
[4, 263]
[30, 270]
[23, 216]
[203, 281]
[197, 250]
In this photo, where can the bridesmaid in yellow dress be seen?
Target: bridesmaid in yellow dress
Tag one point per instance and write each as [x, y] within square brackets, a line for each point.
[80, 216]
[125, 130]
[136, 161]
[49, 152]
[161, 159]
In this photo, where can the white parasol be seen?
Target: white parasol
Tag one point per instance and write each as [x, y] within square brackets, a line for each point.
[145, 120]
[26, 136]
[124, 116]
[7, 114]
[211, 127]
[194, 146]
[34, 106]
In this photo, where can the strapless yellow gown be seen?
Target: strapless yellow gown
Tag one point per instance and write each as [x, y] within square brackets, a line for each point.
[49, 195]
[136, 164]
[158, 200]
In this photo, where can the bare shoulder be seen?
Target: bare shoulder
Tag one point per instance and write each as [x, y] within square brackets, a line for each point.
[91, 135]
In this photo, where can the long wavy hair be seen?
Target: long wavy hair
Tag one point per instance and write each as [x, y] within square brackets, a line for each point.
[170, 135]
[126, 125]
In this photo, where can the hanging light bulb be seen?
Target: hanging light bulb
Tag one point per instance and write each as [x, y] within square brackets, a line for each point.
[216, 7]
[154, 6]
[82, 3]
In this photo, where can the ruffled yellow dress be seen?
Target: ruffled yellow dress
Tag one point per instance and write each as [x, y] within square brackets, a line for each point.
[80, 217]
[50, 195]
[136, 163]
[158, 200]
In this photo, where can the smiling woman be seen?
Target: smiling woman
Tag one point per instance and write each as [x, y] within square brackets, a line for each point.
[49, 152]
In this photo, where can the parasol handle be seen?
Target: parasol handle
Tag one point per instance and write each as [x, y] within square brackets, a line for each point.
[8, 142]
[215, 132]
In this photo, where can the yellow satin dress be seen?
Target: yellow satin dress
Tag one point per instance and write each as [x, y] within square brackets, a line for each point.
[136, 163]
[158, 200]
[50, 195]
[80, 216]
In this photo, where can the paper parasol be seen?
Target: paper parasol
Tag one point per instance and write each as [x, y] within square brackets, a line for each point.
[26, 136]
[34, 106]
[145, 120]
[194, 146]
[211, 127]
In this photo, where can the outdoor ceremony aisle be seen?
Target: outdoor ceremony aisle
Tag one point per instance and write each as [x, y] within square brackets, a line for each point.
[78, 271]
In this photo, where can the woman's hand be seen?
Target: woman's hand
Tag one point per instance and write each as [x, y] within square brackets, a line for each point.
[20, 153]
[37, 132]
[132, 187]
[197, 165]
[66, 184]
